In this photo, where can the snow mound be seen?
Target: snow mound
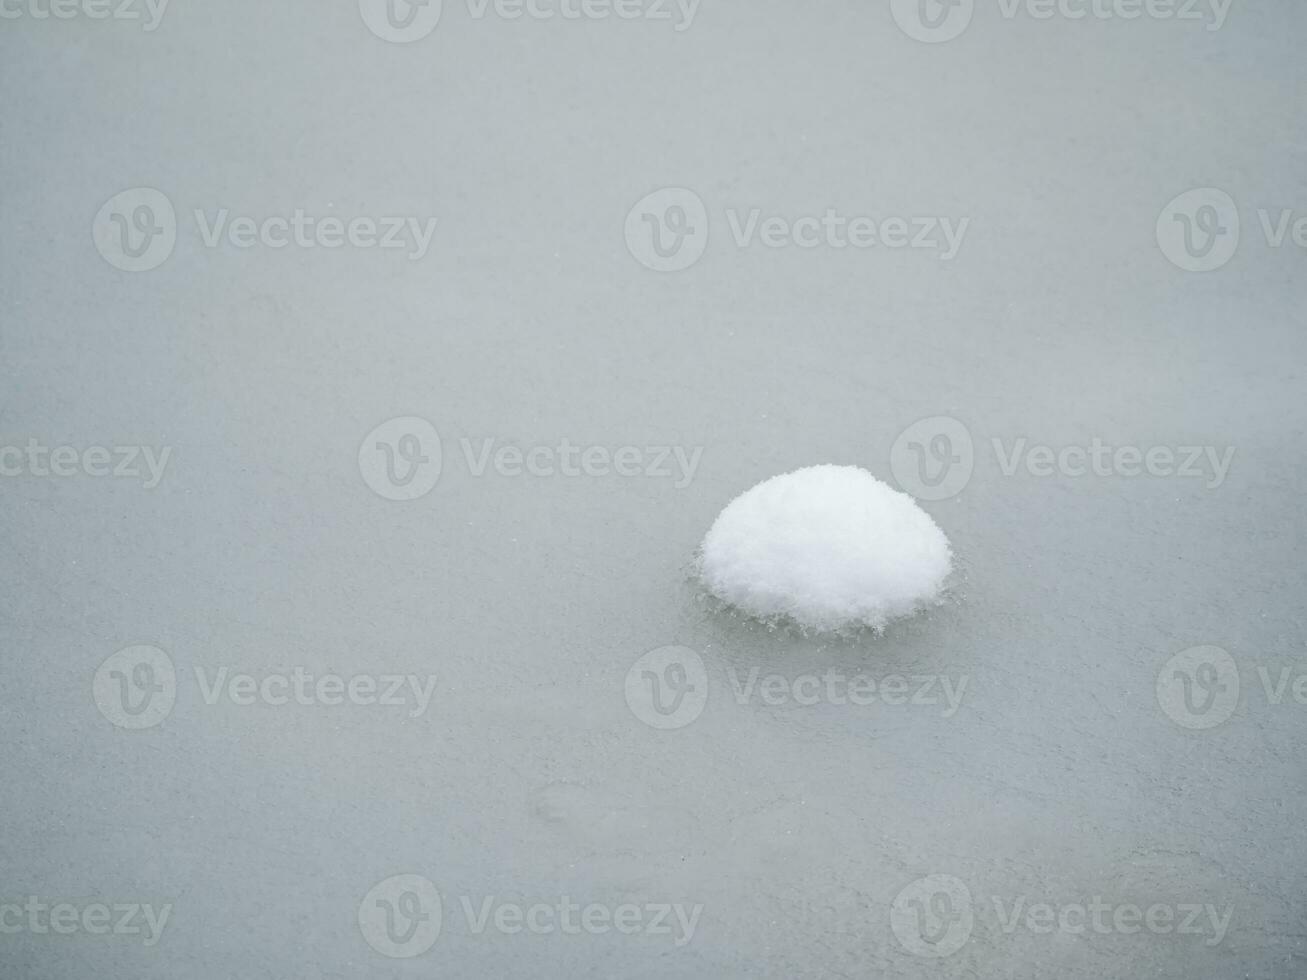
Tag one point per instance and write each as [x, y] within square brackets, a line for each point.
[830, 547]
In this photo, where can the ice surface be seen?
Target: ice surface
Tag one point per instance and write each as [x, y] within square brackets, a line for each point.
[797, 825]
[829, 547]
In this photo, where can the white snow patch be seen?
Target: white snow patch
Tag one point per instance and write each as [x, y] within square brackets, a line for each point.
[829, 547]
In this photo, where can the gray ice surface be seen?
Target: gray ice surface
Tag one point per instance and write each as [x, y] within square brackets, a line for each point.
[1067, 776]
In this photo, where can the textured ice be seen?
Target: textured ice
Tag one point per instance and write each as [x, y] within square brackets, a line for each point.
[828, 547]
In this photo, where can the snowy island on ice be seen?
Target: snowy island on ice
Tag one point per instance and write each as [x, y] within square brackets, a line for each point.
[830, 548]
